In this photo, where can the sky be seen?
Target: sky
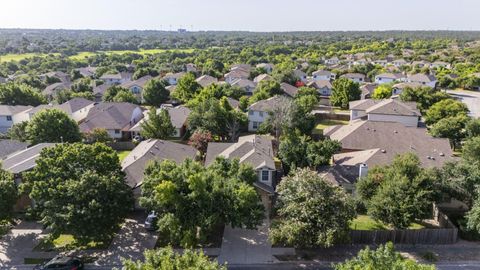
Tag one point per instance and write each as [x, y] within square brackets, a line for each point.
[246, 15]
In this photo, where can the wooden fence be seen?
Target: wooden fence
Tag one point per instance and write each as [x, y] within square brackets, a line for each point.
[421, 236]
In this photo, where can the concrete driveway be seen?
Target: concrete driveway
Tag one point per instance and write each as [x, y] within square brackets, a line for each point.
[470, 98]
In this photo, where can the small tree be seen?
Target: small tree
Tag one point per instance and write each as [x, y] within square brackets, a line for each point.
[112, 91]
[18, 132]
[200, 139]
[157, 126]
[154, 92]
[166, 258]
[311, 211]
[98, 135]
[52, 125]
[344, 91]
[383, 258]
[8, 195]
[20, 94]
[471, 150]
[125, 96]
[472, 129]
[382, 91]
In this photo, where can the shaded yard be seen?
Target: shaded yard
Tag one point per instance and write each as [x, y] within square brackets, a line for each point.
[123, 154]
[323, 124]
[366, 223]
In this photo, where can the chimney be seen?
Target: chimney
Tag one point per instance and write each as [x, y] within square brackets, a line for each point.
[363, 170]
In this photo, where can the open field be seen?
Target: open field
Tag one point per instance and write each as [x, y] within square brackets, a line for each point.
[18, 57]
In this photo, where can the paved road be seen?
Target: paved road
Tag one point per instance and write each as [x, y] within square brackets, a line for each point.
[470, 98]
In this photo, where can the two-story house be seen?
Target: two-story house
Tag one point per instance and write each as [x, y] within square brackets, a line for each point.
[258, 112]
[389, 78]
[172, 78]
[387, 110]
[136, 87]
[356, 77]
[7, 113]
[323, 75]
[423, 79]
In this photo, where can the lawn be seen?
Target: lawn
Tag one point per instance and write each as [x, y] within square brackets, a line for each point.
[18, 57]
[67, 242]
[366, 223]
[327, 123]
[123, 154]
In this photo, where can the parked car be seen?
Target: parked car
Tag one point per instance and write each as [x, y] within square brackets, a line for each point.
[151, 221]
[61, 263]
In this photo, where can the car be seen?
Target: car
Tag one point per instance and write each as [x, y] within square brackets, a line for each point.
[62, 263]
[151, 221]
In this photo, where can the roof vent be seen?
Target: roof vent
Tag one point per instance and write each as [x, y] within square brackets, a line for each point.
[395, 131]
[432, 158]
[383, 151]
[374, 130]
[152, 153]
[429, 157]
[442, 154]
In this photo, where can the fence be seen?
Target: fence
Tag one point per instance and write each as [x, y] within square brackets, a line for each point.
[121, 146]
[421, 236]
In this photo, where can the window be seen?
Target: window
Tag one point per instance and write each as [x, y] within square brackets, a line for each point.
[117, 131]
[255, 125]
[261, 114]
[251, 112]
[265, 176]
[9, 118]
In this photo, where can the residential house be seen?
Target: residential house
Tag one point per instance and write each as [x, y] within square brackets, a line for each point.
[190, 67]
[421, 64]
[438, 64]
[398, 88]
[76, 108]
[99, 91]
[324, 87]
[258, 112]
[254, 150]
[51, 91]
[119, 78]
[178, 117]
[367, 90]
[244, 67]
[146, 151]
[87, 71]
[399, 63]
[302, 76]
[389, 78]
[332, 61]
[356, 77]
[424, 79]
[361, 62]
[380, 62]
[62, 76]
[246, 85]
[235, 75]
[289, 90]
[137, 86]
[323, 75]
[266, 66]
[116, 117]
[7, 113]
[262, 77]
[206, 80]
[172, 78]
[8, 147]
[387, 110]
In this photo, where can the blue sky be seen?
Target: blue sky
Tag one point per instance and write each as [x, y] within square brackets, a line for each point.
[251, 15]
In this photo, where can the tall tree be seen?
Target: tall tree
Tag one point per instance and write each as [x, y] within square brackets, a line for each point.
[443, 109]
[382, 91]
[154, 92]
[20, 94]
[452, 128]
[471, 150]
[79, 189]
[157, 126]
[8, 194]
[52, 125]
[344, 90]
[113, 91]
[311, 211]
[186, 88]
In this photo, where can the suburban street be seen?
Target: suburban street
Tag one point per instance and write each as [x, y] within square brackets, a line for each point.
[470, 98]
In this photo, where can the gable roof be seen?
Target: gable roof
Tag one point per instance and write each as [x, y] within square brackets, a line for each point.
[320, 84]
[76, 104]
[419, 77]
[262, 77]
[255, 150]
[11, 110]
[243, 83]
[206, 80]
[394, 107]
[139, 82]
[298, 73]
[25, 159]
[393, 76]
[322, 73]
[354, 76]
[289, 89]
[170, 75]
[52, 88]
[8, 147]
[134, 164]
[265, 104]
[178, 117]
[109, 115]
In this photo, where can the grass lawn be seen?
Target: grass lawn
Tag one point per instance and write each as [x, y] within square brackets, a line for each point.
[366, 223]
[66, 242]
[123, 154]
[18, 57]
[327, 123]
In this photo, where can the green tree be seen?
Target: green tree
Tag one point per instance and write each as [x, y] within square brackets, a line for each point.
[443, 109]
[157, 126]
[186, 88]
[452, 128]
[266, 89]
[52, 125]
[18, 132]
[8, 195]
[79, 189]
[20, 94]
[167, 259]
[125, 96]
[473, 217]
[191, 199]
[82, 85]
[425, 97]
[383, 91]
[472, 129]
[383, 258]
[112, 92]
[344, 91]
[98, 135]
[311, 211]
[154, 92]
[471, 150]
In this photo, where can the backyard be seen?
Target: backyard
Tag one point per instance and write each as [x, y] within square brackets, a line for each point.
[366, 223]
[325, 123]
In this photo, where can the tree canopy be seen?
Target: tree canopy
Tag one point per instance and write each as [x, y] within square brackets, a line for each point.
[187, 87]
[443, 109]
[344, 90]
[8, 194]
[52, 125]
[20, 94]
[157, 125]
[154, 92]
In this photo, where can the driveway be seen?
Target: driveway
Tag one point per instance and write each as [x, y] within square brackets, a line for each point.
[470, 98]
[242, 246]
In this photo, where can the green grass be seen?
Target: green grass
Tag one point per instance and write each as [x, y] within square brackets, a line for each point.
[328, 123]
[123, 154]
[366, 223]
[18, 57]
[81, 56]
[66, 242]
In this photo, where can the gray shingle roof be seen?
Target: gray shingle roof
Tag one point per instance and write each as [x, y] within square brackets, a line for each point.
[11, 110]
[24, 160]
[109, 115]
[266, 104]
[394, 107]
[289, 89]
[8, 147]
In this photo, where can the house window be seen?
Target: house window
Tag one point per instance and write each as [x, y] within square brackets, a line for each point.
[9, 118]
[265, 176]
[117, 131]
[255, 125]
[250, 112]
[261, 114]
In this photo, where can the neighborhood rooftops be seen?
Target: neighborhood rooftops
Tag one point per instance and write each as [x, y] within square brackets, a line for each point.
[134, 164]
[421, 78]
[266, 104]
[24, 160]
[394, 107]
[11, 110]
[8, 147]
[178, 117]
[109, 115]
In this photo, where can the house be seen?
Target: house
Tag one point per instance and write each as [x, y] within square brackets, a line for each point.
[381, 62]
[398, 88]
[116, 117]
[389, 78]
[399, 63]
[387, 110]
[190, 67]
[99, 90]
[367, 144]
[136, 87]
[244, 67]
[421, 64]
[266, 66]
[76, 108]
[87, 71]
[367, 90]
[323, 75]
[323, 87]
[146, 151]
[53, 89]
[233, 102]
[356, 77]
[23, 160]
[361, 62]
[262, 77]
[62, 76]
[7, 147]
[246, 85]
[254, 150]
[289, 90]
[258, 112]
[206, 80]
[178, 117]
[424, 79]
[172, 78]
[332, 61]
[235, 75]
[119, 78]
[438, 64]
[300, 75]
[6, 115]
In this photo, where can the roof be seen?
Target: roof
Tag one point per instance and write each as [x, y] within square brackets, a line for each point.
[134, 164]
[233, 102]
[265, 104]
[393, 76]
[242, 83]
[320, 84]
[206, 80]
[419, 77]
[99, 90]
[139, 82]
[76, 104]
[109, 115]
[299, 73]
[262, 77]
[368, 89]
[289, 89]
[255, 150]
[393, 139]
[11, 110]
[8, 147]
[177, 75]
[116, 76]
[237, 73]
[394, 107]
[50, 90]
[404, 85]
[25, 159]
[322, 73]
[362, 105]
[178, 117]
[354, 75]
